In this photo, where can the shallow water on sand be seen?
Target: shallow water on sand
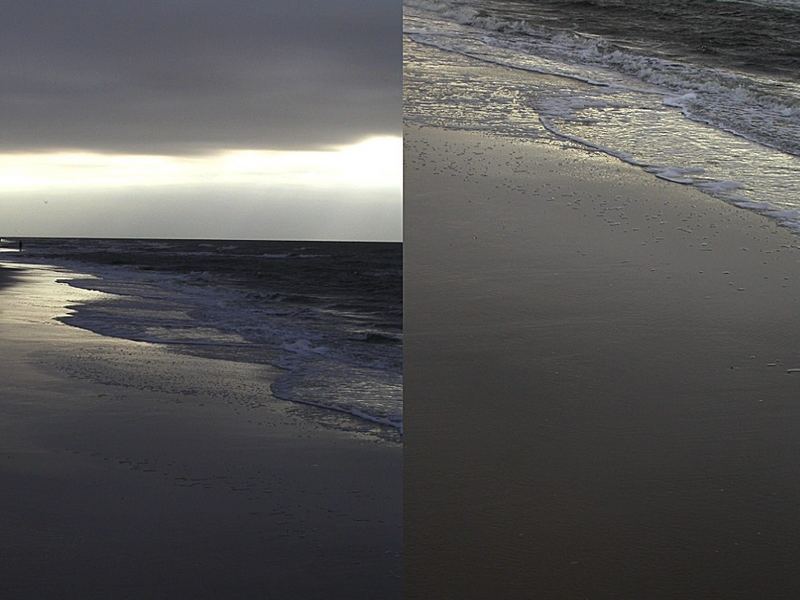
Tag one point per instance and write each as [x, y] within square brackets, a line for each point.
[537, 71]
[327, 315]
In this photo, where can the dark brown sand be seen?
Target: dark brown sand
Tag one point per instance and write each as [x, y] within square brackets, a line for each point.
[131, 472]
[6, 277]
[599, 394]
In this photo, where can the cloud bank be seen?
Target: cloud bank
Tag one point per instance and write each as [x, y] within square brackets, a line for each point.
[193, 76]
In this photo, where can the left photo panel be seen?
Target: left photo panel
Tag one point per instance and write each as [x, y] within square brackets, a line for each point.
[201, 322]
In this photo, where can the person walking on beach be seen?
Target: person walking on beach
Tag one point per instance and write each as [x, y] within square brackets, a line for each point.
[20, 245]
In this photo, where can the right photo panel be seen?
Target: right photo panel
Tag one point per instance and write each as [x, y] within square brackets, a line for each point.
[602, 285]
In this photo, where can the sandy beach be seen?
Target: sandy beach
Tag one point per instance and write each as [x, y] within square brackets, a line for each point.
[600, 380]
[132, 472]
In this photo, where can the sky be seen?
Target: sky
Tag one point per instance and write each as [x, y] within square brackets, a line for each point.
[263, 119]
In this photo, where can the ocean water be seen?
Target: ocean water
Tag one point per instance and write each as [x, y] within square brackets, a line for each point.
[327, 314]
[703, 93]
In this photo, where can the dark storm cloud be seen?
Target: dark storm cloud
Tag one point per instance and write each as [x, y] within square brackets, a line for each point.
[185, 76]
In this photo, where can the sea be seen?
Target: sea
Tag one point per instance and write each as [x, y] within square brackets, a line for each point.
[328, 315]
[703, 93]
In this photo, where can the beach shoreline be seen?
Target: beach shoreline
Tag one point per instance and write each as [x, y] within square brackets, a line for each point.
[600, 384]
[327, 315]
[132, 471]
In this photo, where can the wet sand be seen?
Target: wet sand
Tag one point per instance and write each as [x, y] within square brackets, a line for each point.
[127, 471]
[6, 277]
[599, 387]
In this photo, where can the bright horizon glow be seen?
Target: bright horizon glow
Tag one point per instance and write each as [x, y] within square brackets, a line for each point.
[372, 163]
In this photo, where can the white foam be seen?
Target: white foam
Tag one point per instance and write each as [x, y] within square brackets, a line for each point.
[758, 110]
[721, 186]
[676, 174]
[304, 347]
[170, 309]
[623, 156]
[631, 116]
[679, 101]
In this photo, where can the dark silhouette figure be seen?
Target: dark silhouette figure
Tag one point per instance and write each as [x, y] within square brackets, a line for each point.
[20, 245]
